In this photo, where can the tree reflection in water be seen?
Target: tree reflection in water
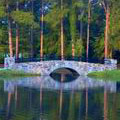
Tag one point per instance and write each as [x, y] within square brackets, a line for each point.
[79, 99]
[61, 94]
[16, 96]
[8, 104]
[86, 103]
[41, 95]
[105, 104]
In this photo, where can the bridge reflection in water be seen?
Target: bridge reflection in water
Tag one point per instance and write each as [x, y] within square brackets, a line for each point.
[49, 83]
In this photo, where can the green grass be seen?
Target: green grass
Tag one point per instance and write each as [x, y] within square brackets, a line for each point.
[113, 75]
[14, 73]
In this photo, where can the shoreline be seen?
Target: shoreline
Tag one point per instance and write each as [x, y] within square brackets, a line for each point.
[113, 75]
[15, 73]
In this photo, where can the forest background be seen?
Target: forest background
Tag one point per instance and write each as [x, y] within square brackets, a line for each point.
[88, 29]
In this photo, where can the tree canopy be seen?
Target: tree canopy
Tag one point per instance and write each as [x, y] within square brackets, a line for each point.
[27, 15]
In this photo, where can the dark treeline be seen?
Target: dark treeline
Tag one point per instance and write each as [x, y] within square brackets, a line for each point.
[88, 29]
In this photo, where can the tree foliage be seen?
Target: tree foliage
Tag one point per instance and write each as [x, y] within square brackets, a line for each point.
[74, 15]
[24, 18]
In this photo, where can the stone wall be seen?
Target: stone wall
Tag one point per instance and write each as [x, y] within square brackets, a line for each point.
[9, 62]
[47, 67]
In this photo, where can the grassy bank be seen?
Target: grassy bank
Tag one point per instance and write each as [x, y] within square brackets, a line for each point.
[14, 73]
[113, 75]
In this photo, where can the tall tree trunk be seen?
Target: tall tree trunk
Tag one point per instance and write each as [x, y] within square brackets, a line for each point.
[107, 12]
[72, 24]
[10, 37]
[106, 32]
[62, 34]
[41, 34]
[31, 43]
[9, 30]
[22, 42]
[31, 34]
[81, 25]
[17, 34]
[81, 28]
[73, 49]
[88, 32]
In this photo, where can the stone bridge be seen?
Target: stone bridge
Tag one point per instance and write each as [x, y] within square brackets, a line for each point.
[47, 67]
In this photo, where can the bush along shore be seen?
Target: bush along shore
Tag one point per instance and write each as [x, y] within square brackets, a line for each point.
[113, 75]
[15, 73]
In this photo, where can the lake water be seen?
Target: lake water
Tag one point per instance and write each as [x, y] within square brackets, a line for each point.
[43, 98]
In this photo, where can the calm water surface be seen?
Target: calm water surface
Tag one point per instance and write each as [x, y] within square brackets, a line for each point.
[43, 98]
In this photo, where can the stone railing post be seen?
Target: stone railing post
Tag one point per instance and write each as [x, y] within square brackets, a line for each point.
[9, 62]
[112, 63]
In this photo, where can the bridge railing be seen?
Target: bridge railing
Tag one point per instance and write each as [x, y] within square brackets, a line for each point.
[49, 58]
[46, 59]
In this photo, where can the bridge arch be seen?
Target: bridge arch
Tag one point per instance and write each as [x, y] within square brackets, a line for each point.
[65, 70]
[70, 67]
